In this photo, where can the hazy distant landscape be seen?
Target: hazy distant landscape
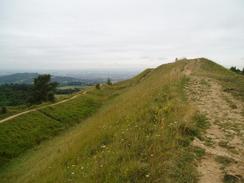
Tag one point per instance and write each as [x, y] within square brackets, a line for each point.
[15, 89]
[85, 75]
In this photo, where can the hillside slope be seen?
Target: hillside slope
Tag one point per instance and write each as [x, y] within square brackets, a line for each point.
[146, 133]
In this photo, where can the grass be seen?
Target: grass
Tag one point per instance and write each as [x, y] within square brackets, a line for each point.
[199, 152]
[231, 82]
[141, 135]
[11, 110]
[208, 141]
[230, 102]
[224, 144]
[71, 87]
[224, 161]
[29, 130]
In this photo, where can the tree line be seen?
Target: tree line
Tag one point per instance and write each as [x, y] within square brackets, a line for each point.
[42, 90]
[109, 82]
[236, 70]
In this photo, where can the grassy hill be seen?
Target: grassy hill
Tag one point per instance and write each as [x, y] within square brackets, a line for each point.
[138, 130]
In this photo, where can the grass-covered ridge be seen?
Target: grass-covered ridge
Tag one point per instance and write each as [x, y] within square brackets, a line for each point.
[142, 135]
[231, 82]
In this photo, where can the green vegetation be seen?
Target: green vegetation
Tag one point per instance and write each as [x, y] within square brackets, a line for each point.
[29, 130]
[231, 82]
[225, 161]
[12, 95]
[43, 89]
[199, 152]
[3, 110]
[236, 70]
[11, 110]
[109, 82]
[22, 94]
[142, 133]
[98, 86]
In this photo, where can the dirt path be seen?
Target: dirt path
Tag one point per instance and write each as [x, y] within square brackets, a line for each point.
[36, 109]
[223, 141]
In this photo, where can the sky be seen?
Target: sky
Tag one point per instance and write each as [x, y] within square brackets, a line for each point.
[112, 34]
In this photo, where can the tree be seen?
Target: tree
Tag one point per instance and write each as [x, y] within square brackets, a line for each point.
[109, 81]
[98, 86]
[43, 89]
[236, 70]
[233, 69]
[3, 110]
[242, 71]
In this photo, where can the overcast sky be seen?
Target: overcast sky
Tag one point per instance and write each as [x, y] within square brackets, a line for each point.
[78, 34]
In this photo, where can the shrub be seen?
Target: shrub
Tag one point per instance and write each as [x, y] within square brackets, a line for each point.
[3, 110]
[109, 81]
[98, 86]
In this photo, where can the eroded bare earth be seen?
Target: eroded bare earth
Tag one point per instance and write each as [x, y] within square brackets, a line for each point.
[223, 141]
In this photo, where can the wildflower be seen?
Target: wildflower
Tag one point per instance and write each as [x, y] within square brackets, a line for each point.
[103, 146]
[147, 176]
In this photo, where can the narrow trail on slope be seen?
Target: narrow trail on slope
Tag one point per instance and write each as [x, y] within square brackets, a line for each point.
[223, 141]
[36, 109]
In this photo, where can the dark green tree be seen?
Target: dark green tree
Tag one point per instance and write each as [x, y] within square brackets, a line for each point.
[109, 81]
[236, 70]
[98, 86]
[43, 89]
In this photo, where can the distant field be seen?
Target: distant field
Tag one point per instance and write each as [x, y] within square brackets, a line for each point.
[71, 87]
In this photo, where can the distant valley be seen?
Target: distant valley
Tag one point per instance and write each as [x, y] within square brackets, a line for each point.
[27, 78]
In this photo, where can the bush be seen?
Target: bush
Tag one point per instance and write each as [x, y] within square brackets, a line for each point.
[109, 82]
[236, 70]
[3, 110]
[98, 86]
[14, 94]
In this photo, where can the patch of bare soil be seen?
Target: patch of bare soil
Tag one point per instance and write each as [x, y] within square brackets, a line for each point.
[223, 141]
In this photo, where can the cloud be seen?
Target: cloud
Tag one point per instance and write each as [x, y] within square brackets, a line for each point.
[118, 33]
